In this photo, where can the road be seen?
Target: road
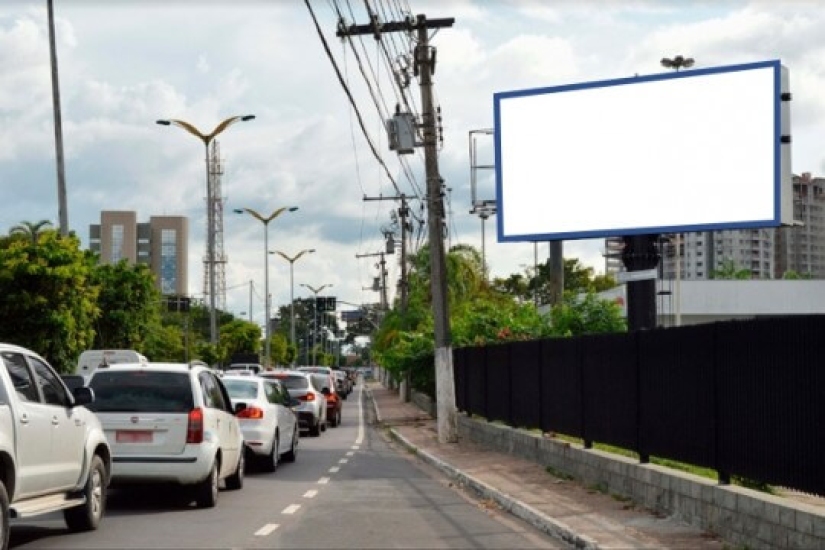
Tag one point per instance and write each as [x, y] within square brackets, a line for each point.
[349, 488]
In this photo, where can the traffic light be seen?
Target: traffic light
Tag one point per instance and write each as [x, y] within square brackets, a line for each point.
[326, 303]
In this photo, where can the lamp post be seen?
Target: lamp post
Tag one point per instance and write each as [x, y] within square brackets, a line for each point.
[315, 313]
[210, 207]
[292, 260]
[265, 221]
[678, 62]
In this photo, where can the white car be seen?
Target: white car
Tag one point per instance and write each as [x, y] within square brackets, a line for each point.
[268, 423]
[312, 410]
[55, 455]
[170, 423]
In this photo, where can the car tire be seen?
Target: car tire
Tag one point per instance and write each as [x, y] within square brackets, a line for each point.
[206, 492]
[87, 516]
[5, 520]
[291, 454]
[336, 419]
[235, 481]
[270, 461]
[315, 430]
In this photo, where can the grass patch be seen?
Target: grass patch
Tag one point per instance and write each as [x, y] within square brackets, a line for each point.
[558, 473]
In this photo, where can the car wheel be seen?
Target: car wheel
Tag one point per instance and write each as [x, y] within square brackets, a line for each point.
[270, 461]
[235, 481]
[206, 492]
[315, 430]
[324, 425]
[87, 516]
[290, 455]
[336, 419]
[4, 516]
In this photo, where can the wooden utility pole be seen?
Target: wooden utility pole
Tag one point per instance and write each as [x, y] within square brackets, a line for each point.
[424, 69]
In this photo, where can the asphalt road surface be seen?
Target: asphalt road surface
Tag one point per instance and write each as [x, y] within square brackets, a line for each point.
[352, 487]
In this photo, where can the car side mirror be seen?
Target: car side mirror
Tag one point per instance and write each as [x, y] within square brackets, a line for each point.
[325, 390]
[83, 395]
[239, 407]
[294, 402]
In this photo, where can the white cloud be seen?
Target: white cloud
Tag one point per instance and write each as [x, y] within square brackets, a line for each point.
[123, 66]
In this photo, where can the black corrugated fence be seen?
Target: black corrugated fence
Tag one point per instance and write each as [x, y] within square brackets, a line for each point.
[743, 397]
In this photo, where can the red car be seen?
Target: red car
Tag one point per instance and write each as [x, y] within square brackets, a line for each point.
[325, 383]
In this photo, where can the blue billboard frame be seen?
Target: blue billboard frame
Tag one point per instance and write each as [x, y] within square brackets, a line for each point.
[602, 232]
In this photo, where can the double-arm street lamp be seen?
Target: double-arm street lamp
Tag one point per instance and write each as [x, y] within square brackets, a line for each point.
[315, 311]
[210, 206]
[265, 221]
[292, 260]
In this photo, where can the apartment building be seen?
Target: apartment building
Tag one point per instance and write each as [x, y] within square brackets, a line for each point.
[767, 253]
[162, 243]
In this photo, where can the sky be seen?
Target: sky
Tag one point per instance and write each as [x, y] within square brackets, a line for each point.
[123, 64]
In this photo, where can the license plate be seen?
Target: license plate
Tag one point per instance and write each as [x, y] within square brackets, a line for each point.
[133, 436]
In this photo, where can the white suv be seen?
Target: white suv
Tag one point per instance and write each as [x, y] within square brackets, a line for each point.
[170, 422]
[53, 451]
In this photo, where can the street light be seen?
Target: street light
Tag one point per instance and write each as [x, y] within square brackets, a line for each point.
[678, 62]
[291, 260]
[315, 313]
[210, 207]
[265, 221]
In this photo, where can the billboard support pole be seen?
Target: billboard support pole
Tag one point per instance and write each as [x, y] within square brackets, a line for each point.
[640, 253]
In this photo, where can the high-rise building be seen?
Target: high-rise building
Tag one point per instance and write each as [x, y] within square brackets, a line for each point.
[766, 253]
[162, 244]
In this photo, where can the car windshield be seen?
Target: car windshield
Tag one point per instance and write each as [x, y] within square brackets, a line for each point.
[141, 391]
[241, 389]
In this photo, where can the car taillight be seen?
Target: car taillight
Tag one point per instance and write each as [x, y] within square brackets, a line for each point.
[251, 413]
[307, 397]
[194, 429]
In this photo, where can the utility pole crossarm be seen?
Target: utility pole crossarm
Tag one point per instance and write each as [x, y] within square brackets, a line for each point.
[394, 26]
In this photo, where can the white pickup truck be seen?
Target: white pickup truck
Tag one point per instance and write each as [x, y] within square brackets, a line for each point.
[53, 452]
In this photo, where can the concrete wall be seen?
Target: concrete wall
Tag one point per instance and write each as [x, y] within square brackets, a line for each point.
[738, 515]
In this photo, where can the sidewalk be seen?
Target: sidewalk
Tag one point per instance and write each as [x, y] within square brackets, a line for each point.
[565, 509]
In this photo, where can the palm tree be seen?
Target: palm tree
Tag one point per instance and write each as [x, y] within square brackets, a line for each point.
[30, 230]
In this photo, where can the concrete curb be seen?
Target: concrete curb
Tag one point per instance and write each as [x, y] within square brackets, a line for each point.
[515, 507]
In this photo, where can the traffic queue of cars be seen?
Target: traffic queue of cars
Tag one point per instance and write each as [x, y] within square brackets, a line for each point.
[144, 423]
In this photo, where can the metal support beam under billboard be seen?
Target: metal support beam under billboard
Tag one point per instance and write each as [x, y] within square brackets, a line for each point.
[640, 254]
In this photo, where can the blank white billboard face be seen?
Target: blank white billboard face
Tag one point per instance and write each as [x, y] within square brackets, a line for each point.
[666, 153]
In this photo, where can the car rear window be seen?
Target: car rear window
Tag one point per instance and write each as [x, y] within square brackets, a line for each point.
[241, 389]
[293, 382]
[141, 391]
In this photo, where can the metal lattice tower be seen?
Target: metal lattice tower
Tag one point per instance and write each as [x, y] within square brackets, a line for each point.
[215, 173]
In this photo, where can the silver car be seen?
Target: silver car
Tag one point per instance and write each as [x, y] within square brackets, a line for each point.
[312, 410]
[268, 423]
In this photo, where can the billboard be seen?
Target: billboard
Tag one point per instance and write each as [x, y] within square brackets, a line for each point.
[696, 150]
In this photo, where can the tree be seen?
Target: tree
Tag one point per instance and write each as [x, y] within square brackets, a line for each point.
[129, 305]
[729, 270]
[31, 231]
[49, 296]
[589, 314]
[239, 336]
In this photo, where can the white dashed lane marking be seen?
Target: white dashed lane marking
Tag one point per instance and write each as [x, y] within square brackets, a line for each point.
[311, 493]
[334, 469]
[350, 453]
[291, 509]
[343, 461]
[323, 481]
[266, 529]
